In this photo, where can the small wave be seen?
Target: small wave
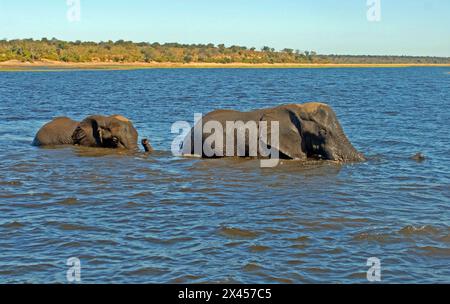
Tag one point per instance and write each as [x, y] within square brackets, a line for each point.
[259, 248]
[302, 238]
[106, 242]
[412, 230]
[215, 204]
[234, 244]
[280, 280]
[99, 152]
[445, 239]
[298, 246]
[143, 194]
[186, 279]
[372, 237]
[146, 271]
[27, 268]
[358, 276]
[13, 225]
[275, 231]
[11, 183]
[68, 226]
[7, 272]
[73, 226]
[237, 232]
[71, 244]
[295, 262]
[68, 201]
[281, 219]
[316, 270]
[224, 281]
[250, 267]
[347, 220]
[132, 205]
[317, 226]
[170, 241]
[435, 251]
[336, 250]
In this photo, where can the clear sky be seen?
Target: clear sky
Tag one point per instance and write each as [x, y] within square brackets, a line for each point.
[407, 27]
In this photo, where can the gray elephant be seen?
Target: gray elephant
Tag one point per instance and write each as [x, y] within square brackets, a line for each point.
[113, 131]
[305, 131]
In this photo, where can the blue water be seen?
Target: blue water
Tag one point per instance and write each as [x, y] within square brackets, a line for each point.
[159, 218]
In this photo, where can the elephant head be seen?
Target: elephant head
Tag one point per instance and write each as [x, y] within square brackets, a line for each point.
[320, 133]
[106, 131]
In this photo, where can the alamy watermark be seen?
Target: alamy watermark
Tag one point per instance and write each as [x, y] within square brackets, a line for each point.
[374, 272]
[73, 274]
[73, 10]
[374, 10]
[249, 138]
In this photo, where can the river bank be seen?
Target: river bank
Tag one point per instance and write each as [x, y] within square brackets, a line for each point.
[46, 65]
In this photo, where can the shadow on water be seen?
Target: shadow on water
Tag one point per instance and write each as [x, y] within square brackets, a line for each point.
[80, 151]
[243, 164]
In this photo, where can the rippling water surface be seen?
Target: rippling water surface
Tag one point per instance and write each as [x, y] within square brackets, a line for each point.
[159, 218]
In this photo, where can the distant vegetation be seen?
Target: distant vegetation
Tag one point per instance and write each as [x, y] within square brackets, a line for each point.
[126, 52]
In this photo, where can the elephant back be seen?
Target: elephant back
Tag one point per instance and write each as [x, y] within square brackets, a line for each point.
[57, 132]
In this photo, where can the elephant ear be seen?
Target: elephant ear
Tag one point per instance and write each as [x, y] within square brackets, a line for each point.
[88, 132]
[290, 140]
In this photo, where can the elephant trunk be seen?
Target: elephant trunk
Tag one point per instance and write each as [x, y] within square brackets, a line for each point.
[339, 148]
[146, 145]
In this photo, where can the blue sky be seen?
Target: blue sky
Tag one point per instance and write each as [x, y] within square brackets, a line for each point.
[407, 27]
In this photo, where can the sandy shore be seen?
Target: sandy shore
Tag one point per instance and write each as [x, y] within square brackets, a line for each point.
[14, 65]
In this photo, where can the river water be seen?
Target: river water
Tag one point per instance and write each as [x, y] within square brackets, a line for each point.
[164, 219]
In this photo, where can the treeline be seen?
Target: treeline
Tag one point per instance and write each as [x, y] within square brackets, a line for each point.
[127, 51]
[368, 59]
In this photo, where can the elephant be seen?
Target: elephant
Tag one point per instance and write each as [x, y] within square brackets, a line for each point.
[309, 131]
[113, 131]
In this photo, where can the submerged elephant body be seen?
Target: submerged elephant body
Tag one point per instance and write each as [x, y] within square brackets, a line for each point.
[306, 131]
[95, 131]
